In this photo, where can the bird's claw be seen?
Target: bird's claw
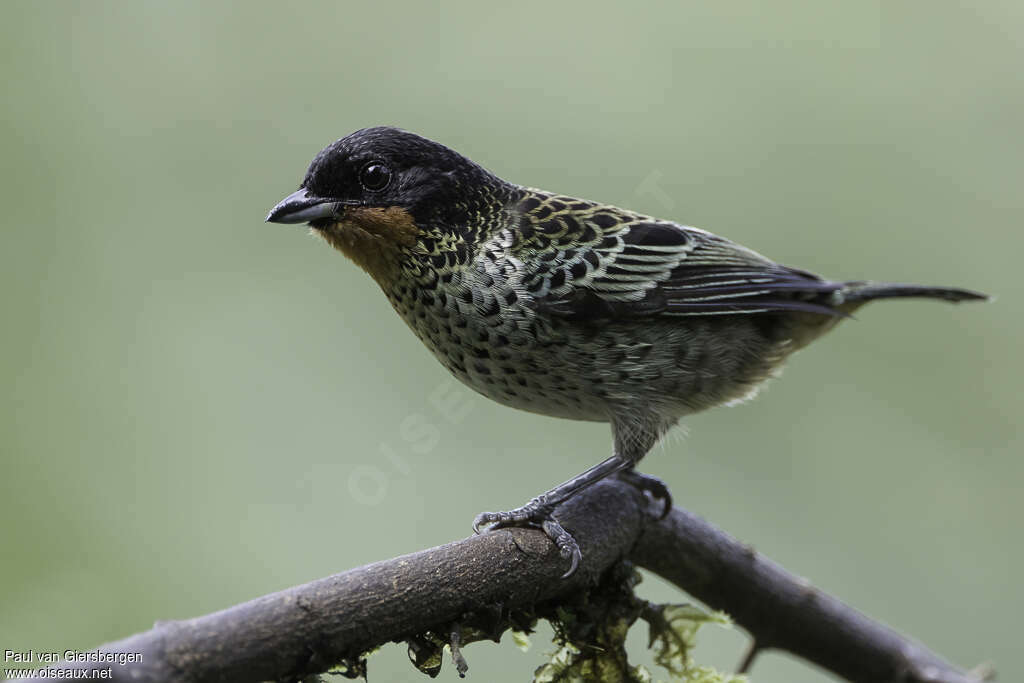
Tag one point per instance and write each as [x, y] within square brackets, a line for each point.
[523, 516]
[567, 546]
[656, 487]
[537, 516]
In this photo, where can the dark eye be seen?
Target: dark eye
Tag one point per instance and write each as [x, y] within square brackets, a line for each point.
[375, 176]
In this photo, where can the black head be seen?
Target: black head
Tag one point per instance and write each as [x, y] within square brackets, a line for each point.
[386, 168]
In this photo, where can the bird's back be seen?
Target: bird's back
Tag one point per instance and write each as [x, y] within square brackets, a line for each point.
[544, 314]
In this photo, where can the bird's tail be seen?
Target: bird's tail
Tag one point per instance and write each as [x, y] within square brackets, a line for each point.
[854, 294]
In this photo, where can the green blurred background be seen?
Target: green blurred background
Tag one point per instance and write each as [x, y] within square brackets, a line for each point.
[199, 408]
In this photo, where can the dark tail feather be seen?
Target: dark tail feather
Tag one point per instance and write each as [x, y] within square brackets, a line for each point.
[862, 292]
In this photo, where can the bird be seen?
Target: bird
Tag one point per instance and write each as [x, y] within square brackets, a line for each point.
[567, 307]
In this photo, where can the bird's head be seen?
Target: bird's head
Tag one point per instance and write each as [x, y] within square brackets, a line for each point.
[380, 192]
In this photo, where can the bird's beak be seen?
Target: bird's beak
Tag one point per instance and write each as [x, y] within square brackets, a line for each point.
[302, 207]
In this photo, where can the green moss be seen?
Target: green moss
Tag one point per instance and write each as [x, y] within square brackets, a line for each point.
[590, 634]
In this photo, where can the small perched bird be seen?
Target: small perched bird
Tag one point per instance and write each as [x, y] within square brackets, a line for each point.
[563, 306]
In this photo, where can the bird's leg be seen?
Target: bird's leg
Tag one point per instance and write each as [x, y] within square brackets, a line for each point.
[645, 482]
[634, 438]
[539, 511]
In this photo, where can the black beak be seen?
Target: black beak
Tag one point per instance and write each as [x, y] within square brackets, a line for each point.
[302, 207]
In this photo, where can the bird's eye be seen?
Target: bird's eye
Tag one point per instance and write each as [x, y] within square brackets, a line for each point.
[375, 176]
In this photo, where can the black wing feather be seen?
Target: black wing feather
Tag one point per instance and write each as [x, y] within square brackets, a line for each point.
[636, 266]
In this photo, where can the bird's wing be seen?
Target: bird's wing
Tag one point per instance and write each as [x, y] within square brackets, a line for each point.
[583, 260]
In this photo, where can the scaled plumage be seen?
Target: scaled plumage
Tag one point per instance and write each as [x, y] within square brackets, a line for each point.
[563, 306]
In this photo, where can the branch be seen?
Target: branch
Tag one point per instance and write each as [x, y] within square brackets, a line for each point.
[309, 628]
[785, 612]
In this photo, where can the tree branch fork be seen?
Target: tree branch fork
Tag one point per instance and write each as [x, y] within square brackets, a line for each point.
[309, 628]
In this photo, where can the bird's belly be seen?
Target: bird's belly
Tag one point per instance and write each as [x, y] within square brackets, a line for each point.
[531, 379]
[593, 372]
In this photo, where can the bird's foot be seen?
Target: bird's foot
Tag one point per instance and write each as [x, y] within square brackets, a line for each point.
[538, 515]
[656, 487]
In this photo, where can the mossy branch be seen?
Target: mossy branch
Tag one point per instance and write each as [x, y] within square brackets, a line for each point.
[482, 584]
